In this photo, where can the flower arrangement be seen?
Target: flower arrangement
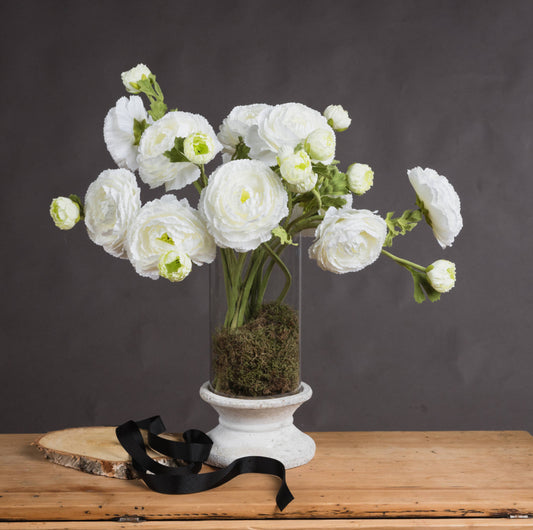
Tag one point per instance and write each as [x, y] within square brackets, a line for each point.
[278, 179]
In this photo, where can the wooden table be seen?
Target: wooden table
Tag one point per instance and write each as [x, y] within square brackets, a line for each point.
[365, 480]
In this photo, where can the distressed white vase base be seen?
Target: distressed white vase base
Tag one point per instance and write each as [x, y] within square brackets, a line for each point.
[258, 427]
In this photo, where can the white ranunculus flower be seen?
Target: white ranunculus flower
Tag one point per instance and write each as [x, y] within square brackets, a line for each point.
[111, 203]
[440, 203]
[118, 131]
[65, 212]
[243, 201]
[337, 117]
[133, 76]
[320, 145]
[288, 125]
[174, 265]
[199, 148]
[296, 170]
[441, 275]
[348, 240]
[239, 123]
[360, 178]
[167, 224]
[155, 168]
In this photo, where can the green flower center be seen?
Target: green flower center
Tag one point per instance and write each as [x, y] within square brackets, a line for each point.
[166, 239]
[173, 266]
[200, 145]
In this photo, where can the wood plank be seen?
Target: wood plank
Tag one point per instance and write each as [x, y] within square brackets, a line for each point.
[354, 475]
[287, 524]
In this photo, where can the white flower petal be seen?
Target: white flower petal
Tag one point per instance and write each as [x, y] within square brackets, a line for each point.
[441, 275]
[155, 169]
[163, 225]
[118, 131]
[242, 203]
[348, 240]
[238, 123]
[441, 202]
[111, 203]
[288, 125]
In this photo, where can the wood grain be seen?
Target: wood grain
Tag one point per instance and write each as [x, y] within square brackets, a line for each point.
[286, 524]
[376, 475]
[94, 450]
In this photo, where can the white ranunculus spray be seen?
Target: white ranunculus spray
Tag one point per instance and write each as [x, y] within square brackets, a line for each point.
[278, 179]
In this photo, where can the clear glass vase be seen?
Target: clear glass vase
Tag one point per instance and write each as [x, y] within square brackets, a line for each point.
[255, 321]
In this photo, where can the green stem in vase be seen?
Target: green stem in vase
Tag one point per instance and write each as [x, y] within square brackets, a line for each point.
[286, 272]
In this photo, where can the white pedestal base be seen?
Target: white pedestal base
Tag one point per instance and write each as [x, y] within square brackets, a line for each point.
[258, 427]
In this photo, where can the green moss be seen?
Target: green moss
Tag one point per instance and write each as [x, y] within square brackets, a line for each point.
[260, 358]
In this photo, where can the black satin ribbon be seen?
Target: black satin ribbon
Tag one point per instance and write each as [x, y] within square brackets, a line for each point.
[194, 450]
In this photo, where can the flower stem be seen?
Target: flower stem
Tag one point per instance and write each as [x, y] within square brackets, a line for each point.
[288, 276]
[404, 262]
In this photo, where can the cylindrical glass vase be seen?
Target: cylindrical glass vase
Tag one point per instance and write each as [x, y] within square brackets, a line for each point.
[255, 321]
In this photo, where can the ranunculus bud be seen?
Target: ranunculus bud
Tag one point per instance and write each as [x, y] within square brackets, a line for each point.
[199, 148]
[296, 170]
[338, 118]
[133, 76]
[320, 145]
[174, 266]
[65, 212]
[441, 275]
[360, 178]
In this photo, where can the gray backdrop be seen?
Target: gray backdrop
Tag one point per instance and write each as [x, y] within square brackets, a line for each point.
[444, 84]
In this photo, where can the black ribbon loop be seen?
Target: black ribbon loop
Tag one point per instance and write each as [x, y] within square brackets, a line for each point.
[194, 450]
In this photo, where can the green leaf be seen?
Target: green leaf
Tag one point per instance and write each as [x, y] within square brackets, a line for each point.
[401, 225]
[78, 201]
[309, 202]
[138, 128]
[158, 108]
[285, 239]
[176, 153]
[242, 151]
[145, 86]
[336, 202]
[422, 287]
[334, 182]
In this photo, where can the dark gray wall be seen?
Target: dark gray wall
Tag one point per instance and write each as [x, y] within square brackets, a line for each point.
[444, 84]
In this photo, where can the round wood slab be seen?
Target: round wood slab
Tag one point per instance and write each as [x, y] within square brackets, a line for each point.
[95, 450]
